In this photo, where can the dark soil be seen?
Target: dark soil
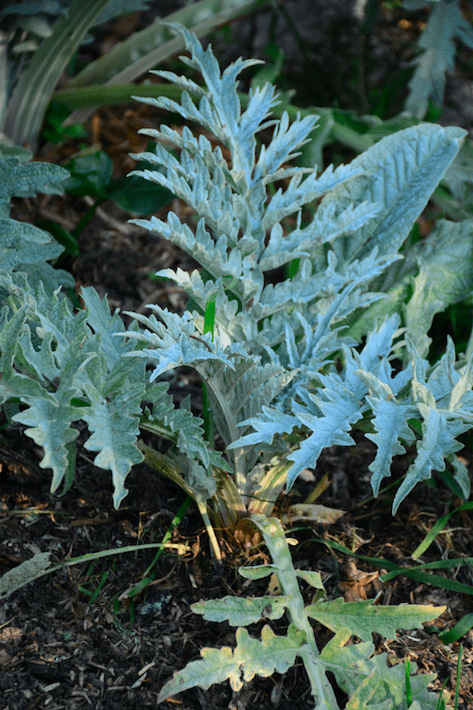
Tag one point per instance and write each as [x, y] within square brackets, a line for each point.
[80, 637]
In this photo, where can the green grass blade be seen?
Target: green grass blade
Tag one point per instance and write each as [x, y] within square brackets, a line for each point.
[145, 49]
[434, 581]
[39, 565]
[412, 572]
[99, 587]
[436, 530]
[407, 668]
[150, 574]
[459, 630]
[85, 97]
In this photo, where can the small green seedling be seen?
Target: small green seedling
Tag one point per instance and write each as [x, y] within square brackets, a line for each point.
[366, 678]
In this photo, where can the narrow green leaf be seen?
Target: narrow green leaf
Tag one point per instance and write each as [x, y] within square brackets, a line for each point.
[436, 530]
[459, 630]
[312, 578]
[258, 571]
[27, 106]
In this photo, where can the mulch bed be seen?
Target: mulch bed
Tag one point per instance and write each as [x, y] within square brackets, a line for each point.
[61, 648]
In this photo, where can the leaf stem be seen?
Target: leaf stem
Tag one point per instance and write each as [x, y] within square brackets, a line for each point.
[278, 548]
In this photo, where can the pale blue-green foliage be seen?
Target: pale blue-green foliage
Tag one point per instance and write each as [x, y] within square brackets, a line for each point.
[62, 366]
[267, 364]
[444, 25]
[24, 247]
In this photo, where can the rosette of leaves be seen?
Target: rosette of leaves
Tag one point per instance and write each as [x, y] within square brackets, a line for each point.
[268, 359]
[284, 375]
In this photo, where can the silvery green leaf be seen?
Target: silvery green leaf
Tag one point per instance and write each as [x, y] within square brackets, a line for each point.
[237, 395]
[340, 411]
[286, 139]
[339, 401]
[27, 179]
[267, 424]
[176, 342]
[242, 611]
[11, 231]
[461, 475]
[230, 324]
[257, 571]
[461, 393]
[306, 286]
[303, 190]
[183, 352]
[390, 423]
[294, 327]
[445, 276]
[11, 324]
[212, 254]
[106, 325]
[364, 618]
[41, 360]
[220, 109]
[438, 442]
[190, 179]
[14, 385]
[401, 171]
[24, 573]
[445, 24]
[370, 682]
[311, 577]
[442, 379]
[178, 425]
[24, 247]
[113, 422]
[282, 248]
[330, 222]
[199, 479]
[250, 657]
[23, 369]
[448, 252]
[49, 425]
[56, 317]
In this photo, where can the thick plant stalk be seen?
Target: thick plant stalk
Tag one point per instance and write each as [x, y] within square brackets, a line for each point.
[228, 505]
[278, 548]
[270, 486]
